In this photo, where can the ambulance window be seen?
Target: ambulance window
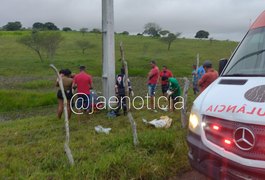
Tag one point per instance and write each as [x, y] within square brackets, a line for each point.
[249, 58]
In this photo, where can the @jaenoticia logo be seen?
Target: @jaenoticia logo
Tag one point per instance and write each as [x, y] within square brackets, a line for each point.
[256, 94]
[244, 138]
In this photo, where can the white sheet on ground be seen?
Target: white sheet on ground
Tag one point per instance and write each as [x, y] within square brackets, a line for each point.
[163, 122]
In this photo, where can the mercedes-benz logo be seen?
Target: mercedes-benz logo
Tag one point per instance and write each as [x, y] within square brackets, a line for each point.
[244, 138]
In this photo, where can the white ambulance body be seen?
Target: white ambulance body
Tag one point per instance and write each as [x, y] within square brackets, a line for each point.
[227, 121]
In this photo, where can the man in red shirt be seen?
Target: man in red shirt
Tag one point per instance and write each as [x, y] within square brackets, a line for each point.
[165, 74]
[153, 77]
[210, 76]
[83, 82]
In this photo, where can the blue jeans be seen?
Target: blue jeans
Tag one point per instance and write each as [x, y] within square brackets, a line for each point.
[83, 101]
[151, 89]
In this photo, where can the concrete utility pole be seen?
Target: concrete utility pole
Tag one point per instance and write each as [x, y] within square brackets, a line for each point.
[108, 53]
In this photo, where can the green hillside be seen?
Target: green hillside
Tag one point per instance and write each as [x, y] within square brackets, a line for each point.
[17, 59]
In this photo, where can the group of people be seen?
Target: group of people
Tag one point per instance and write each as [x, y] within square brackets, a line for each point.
[203, 76]
[169, 85]
[82, 84]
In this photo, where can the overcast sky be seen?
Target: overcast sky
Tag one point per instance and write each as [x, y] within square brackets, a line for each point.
[223, 19]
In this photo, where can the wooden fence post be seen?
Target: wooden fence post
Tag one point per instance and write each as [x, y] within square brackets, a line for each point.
[129, 114]
[184, 118]
[66, 121]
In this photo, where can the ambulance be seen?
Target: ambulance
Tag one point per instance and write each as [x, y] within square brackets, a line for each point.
[226, 136]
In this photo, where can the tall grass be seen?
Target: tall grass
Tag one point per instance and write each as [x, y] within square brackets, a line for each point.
[37, 84]
[11, 100]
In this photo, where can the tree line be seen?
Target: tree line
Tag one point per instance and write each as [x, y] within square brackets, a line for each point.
[150, 29]
[48, 26]
[154, 30]
[16, 26]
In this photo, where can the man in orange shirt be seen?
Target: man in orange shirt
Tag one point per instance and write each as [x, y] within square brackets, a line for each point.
[210, 76]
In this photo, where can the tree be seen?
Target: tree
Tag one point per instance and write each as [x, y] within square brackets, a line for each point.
[83, 31]
[38, 26]
[50, 43]
[50, 26]
[34, 42]
[152, 29]
[202, 34]
[67, 29]
[169, 38]
[164, 32]
[12, 26]
[95, 30]
[46, 26]
[125, 33]
[84, 45]
[42, 42]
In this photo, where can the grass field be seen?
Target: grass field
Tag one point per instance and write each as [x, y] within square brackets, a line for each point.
[33, 148]
[31, 137]
[17, 59]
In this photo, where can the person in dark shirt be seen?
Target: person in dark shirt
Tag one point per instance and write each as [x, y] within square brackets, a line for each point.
[120, 91]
